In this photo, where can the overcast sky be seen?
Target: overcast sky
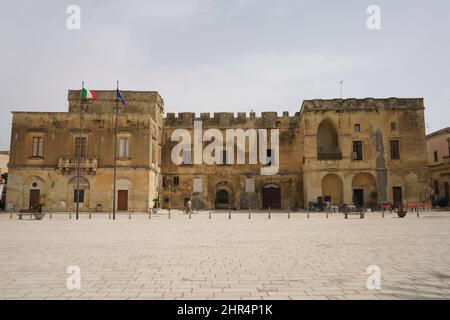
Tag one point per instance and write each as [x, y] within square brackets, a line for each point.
[225, 55]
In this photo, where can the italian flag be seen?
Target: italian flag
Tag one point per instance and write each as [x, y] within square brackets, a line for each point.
[88, 94]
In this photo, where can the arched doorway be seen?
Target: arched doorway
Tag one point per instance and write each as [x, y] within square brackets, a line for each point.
[332, 189]
[72, 193]
[364, 188]
[328, 141]
[34, 192]
[224, 195]
[271, 196]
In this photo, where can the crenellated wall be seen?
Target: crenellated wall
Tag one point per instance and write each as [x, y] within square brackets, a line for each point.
[316, 154]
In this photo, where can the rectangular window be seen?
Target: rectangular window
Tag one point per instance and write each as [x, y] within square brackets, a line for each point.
[436, 156]
[249, 185]
[80, 146]
[81, 197]
[197, 185]
[38, 147]
[357, 127]
[176, 181]
[357, 150]
[164, 182]
[395, 149]
[124, 144]
[393, 126]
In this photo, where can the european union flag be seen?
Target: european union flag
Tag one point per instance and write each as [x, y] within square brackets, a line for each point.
[120, 96]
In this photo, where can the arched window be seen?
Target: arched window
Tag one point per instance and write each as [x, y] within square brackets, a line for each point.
[328, 142]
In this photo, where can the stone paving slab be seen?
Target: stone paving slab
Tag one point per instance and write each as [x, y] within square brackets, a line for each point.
[222, 258]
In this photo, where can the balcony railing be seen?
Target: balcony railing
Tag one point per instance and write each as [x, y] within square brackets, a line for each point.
[329, 155]
[71, 163]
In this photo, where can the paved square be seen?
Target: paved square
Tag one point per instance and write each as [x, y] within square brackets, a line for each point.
[219, 258]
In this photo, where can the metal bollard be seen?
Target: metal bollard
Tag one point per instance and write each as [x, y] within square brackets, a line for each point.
[289, 212]
[249, 214]
[229, 212]
[189, 213]
[10, 215]
[149, 213]
[70, 214]
[269, 214]
[417, 211]
[50, 215]
[307, 216]
[90, 215]
[382, 213]
[209, 213]
[327, 214]
[169, 214]
[129, 215]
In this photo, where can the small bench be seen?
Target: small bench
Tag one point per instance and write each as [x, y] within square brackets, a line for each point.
[349, 210]
[32, 213]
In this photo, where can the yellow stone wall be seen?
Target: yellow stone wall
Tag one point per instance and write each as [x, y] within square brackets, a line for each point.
[305, 173]
[439, 171]
[374, 117]
[140, 121]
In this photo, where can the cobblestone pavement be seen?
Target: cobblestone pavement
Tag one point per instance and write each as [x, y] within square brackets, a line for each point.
[219, 258]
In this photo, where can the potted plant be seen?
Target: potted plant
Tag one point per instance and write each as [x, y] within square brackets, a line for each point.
[401, 213]
[38, 214]
[155, 205]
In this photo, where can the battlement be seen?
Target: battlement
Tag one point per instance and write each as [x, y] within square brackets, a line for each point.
[110, 95]
[184, 119]
[140, 102]
[361, 104]
[227, 115]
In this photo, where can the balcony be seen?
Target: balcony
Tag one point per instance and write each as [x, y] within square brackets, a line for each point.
[329, 155]
[69, 164]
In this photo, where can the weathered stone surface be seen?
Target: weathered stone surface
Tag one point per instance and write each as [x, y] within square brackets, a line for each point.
[316, 155]
[438, 153]
[54, 171]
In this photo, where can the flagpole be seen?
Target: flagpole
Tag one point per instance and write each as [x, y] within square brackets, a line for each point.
[115, 153]
[79, 151]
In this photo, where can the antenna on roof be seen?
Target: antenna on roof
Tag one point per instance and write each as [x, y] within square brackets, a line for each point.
[341, 85]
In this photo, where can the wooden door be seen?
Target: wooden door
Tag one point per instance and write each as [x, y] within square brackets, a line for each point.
[397, 195]
[122, 200]
[34, 198]
[358, 197]
[271, 197]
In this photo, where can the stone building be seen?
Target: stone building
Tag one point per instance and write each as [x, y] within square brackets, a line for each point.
[438, 154]
[353, 151]
[44, 146]
[4, 158]
[363, 151]
[238, 186]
